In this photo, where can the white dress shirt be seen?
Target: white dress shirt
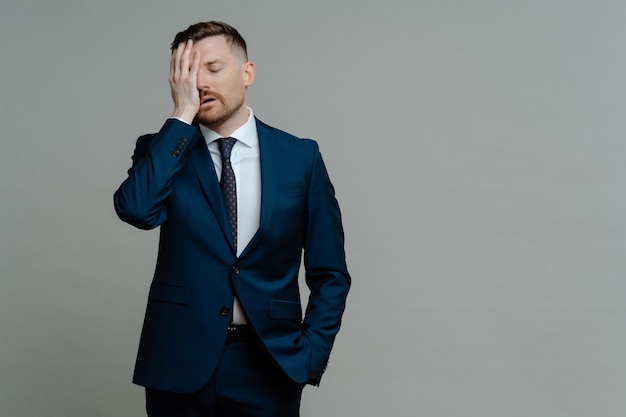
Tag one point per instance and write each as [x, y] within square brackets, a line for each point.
[246, 163]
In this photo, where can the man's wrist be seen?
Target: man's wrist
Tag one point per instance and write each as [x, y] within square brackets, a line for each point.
[186, 117]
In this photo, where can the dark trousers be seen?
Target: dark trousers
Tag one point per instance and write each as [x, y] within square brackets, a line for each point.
[246, 383]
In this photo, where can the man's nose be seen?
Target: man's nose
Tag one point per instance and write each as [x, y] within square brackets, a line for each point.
[202, 80]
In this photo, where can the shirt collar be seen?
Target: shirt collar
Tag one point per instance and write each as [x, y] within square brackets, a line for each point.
[246, 134]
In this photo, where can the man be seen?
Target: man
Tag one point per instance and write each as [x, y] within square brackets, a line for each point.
[238, 202]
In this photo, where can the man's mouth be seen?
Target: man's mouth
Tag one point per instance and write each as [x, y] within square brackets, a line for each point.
[207, 99]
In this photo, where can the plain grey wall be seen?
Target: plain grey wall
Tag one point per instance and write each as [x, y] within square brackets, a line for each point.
[477, 150]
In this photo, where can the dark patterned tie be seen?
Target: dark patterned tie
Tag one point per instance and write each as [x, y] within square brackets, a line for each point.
[228, 185]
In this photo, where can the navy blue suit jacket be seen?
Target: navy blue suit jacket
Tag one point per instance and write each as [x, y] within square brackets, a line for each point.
[173, 184]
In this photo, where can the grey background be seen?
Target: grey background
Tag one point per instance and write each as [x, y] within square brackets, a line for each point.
[477, 151]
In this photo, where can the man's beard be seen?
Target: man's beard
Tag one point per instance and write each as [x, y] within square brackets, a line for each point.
[221, 114]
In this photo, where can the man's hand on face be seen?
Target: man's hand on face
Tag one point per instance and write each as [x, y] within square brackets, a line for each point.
[183, 81]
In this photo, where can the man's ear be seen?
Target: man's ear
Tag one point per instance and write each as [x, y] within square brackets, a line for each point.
[248, 71]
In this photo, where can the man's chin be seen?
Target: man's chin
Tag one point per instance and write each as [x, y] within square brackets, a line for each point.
[215, 117]
[208, 120]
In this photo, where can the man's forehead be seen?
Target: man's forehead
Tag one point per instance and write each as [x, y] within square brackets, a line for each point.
[212, 42]
[213, 48]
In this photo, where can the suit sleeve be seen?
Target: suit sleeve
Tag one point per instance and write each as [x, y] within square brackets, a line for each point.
[326, 272]
[156, 160]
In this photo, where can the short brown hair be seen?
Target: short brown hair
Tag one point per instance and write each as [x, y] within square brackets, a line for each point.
[203, 30]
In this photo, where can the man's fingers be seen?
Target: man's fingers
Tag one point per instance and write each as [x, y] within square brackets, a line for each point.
[195, 64]
[184, 62]
[172, 66]
[184, 67]
[176, 66]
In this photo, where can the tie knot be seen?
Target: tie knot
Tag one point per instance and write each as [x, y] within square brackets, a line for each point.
[226, 146]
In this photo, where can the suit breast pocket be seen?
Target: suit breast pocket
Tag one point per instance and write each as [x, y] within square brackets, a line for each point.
[289, 205]
[292, 189]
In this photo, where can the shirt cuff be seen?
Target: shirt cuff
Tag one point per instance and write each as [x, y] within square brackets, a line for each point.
[182, 120]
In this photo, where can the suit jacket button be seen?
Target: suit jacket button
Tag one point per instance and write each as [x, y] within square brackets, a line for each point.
[235, 269]
[225, 311]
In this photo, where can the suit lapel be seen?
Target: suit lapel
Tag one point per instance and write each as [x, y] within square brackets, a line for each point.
[202, 163]
[270, 162]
